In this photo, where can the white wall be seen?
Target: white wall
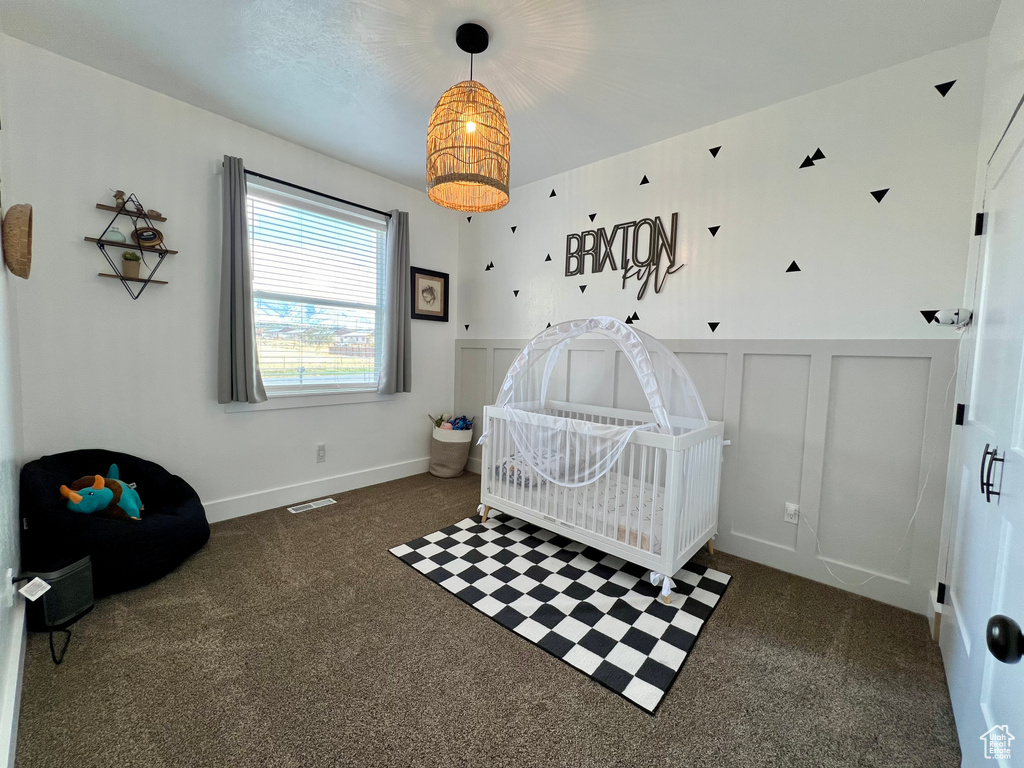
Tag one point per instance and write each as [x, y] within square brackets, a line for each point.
[831, 385]
[12, 610]
[867, 267]
[140, 377]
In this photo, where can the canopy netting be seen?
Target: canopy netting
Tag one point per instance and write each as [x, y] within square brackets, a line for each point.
[573, 452]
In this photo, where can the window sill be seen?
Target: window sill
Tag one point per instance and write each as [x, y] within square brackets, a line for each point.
[308, 401]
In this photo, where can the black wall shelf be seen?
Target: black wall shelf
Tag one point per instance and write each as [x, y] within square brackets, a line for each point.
[133, 279]
[133, 209]
[133, 214]
[132, 246]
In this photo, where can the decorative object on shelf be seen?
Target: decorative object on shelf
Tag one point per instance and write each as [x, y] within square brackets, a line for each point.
[17, 239]
[115, 235]
[429, 294]
[130, 264]
[155, 215]
[468, 140]
[147, 236]
[119, 198]
[145, 239]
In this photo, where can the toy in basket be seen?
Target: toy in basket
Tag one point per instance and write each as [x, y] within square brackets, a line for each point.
[450, 444]
[641, 485]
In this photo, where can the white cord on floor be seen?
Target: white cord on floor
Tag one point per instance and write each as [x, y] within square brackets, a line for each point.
[920, 495]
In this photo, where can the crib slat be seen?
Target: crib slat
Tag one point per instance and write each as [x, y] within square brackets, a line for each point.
[607, 493]
[593, 509]
[654, 501]
[504, 458]
[640, 501]
[544, 498]
[629, 493]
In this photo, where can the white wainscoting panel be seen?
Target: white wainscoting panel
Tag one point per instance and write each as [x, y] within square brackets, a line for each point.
[848, 429]
[875, 429]
[766, 461]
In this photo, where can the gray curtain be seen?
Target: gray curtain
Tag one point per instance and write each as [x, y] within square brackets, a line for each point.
[396, 354]
[238, 370]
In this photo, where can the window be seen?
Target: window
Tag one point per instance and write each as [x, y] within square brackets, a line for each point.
[317, 275]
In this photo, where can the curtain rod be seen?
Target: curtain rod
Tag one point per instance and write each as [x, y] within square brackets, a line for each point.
[314, 192]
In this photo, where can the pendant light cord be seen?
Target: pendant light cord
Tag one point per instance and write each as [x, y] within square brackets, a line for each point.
[471, 66]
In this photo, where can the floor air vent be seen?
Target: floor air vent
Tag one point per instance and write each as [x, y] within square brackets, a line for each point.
[312, 505]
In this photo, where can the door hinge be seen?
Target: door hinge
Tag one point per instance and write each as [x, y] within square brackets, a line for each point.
[961, 414]
[940, 594]
[979, 224]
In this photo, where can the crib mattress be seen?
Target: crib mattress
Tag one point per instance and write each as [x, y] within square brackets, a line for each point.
[629, 518]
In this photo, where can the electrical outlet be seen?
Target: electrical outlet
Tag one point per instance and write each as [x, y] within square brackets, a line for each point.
[792, 513]
[321, 453]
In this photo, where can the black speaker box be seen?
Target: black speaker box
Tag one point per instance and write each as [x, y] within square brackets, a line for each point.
[67, 600]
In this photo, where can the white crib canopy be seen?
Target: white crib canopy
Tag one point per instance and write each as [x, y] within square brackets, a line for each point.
[573, 452]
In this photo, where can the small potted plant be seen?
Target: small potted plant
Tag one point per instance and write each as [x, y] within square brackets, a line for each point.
[130, 264]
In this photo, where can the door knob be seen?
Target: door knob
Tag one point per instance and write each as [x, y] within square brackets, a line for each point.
[1004, 639]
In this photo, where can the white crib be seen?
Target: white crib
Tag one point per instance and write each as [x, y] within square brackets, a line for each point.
[655, 507]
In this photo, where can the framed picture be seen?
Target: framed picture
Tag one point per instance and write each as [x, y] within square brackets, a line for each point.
[429, 295]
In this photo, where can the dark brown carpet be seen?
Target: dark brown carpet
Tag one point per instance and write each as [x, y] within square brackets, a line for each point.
[298, 640]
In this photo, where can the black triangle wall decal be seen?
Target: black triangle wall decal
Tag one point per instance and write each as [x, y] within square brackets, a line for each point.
[713, 326]
[818, 154]
[714, 151]
[629, 321]
[548, 257]
[487, 268]
[549, 325]
[807, 163]
[515, 293]
[592, 216]
[491, 265]
[793, 267]
[467, 327]
[634, 317]
[943, 88]
[714, 230]
[929, 314]
[583, 289]
[469, 218]
[644, 180]
[878, 194]
[514, 229]
[552, 194]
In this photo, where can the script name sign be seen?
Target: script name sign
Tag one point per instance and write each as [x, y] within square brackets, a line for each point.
[644, 250]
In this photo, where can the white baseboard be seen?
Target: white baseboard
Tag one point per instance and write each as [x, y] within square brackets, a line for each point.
[237, 506]
[13, 672]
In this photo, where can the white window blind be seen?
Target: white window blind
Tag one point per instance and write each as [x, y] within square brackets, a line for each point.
[317, 271]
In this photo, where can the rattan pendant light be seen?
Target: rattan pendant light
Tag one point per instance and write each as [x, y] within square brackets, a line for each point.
[468, 141]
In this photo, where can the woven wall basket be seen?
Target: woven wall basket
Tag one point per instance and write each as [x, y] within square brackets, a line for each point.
[17, 239]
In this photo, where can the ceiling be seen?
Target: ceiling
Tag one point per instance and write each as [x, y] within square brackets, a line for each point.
[580, 80]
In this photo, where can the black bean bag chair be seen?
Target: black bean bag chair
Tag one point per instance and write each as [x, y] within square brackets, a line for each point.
[125, 554]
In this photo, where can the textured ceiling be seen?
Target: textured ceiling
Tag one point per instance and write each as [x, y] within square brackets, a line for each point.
[580, 80]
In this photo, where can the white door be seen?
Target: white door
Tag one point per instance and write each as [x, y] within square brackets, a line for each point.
[987, 567]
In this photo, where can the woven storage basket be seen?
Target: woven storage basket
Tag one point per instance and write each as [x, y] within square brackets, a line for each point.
[449, 451]
[17, 239]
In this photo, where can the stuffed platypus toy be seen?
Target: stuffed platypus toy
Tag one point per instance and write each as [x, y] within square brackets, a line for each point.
[103, 496]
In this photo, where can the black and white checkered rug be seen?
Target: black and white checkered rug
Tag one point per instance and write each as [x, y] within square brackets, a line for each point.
[593, 611]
